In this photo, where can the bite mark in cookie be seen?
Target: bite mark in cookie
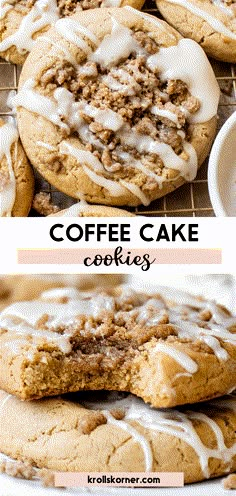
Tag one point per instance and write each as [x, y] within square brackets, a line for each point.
[166, 353]
[127, 107]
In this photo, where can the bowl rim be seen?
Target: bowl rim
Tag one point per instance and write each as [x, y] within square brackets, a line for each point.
[213, 167]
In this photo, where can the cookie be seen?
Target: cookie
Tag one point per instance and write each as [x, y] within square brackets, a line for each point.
[83, 209]
[106, 434]
[212, 23]
[23, 21]
[29, 287]
[16, 176]
[111, 109]
[164, 352]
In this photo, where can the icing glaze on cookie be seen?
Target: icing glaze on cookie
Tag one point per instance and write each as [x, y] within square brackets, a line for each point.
[172, 422]
[8, 137]
[77, 209]
[175, 62]
[225, 8]
[43, 13]
[215, 23]
[24, 318]
[180, 424]
[5, 6]
[63, 109]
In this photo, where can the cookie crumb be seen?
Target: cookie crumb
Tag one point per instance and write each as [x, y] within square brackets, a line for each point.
[230, 482]
[42, 203]
[47, 477]
[21, 470]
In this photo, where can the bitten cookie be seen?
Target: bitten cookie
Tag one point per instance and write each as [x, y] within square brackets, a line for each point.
[165, 353]
[83, 209]
[112, 110]
[212, 23]
[23, 21]
[16, 176]
[106, 434]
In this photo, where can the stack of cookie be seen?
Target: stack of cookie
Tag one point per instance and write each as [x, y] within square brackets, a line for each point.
[155, 351]
[111, 110]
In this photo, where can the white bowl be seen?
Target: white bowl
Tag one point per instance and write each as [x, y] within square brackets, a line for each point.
[222, 170]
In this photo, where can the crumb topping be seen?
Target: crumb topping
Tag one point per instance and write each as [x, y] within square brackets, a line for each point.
[66, 7]
[144, 102]
[112, 327]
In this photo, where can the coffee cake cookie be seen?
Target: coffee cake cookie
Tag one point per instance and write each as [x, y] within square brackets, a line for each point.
[23, 21]
[83, 209]
[110, 434]
[114, 111]
[166, 353]
[16, 176]
[212, 23]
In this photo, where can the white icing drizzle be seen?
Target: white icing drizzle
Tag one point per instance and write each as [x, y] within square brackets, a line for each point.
[114, 188]
[28, 314]
[107, 117]
[213, 21]
[62, 110]
[175, 62]
[5, 6]
[148, 313]
[111, 3]
[182, 358]
[59, 313]
[165, 113]
[137, 437]
[46, 145]
[144, 143]
[136, 191]
[83, 156]
[59, 48]
[115, 85]
[173, 423]
[116, 46]
[153, 20]
[139, 165]
[71, 30]
[77, 209]
[33, 101]
[226, 9]
[43, 13]
[56, 293]
[8, 137]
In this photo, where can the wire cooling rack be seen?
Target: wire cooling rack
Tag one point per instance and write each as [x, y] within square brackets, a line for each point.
[191, 199]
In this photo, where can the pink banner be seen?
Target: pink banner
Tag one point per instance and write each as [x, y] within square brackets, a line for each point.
[119, 479]
[120, 256]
